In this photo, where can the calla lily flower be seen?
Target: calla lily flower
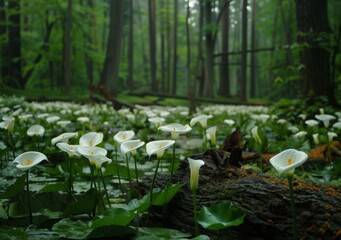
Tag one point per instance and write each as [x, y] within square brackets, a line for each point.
[158, 147]
[157, 121]
[285, 162]
[52, 119]
[316, 138]
[211, 133]
[325, 118]
[229, 122]
[331, 135]
[91, 139]
[27, 160]
[69, 149]
[176, 129]
[96, 155]
[264, 117]
[254, 133]
[202, 119]
[36, 130]
[311, 122]
[337, 125]
[195, 166]
[8, 124]
[301, 134]
[64, 137]
[131, 146]
[83, 119]
[123, 136]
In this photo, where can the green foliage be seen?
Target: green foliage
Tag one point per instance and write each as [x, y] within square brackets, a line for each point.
[14, 189]
[86, 204]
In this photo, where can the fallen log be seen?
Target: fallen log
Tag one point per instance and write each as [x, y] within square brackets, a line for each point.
[265, 200]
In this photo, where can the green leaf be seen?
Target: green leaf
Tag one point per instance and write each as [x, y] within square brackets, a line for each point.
[160, 233]
[201, 237]
[114, 216]
[221, 215]
[15, 188]
[56, 187]
[3, 214]
[167, 194]
[85, 204]
[111, 231]
[139, 205]
[111, 170]
[72, 229]
[12, 234]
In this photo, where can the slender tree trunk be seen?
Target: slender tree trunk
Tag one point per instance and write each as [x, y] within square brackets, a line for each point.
[13, 77]
[253, 54]
[242, 93]
[91, 43]
[209, 47]
[3, 34]
[224, 86]
[110, 73]
[273, 42]
[152, 44]
[200, 57]
[175, 47]
[169, 48]
[190, 91]
[131, 47]
[312, 23]
[67, 48]
[162, 51]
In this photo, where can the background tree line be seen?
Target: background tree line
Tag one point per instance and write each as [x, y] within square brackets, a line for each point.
[236, 49]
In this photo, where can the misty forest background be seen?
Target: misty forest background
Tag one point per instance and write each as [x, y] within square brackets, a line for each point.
[229, 50]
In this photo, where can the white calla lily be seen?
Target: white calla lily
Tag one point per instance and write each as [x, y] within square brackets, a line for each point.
[27, 160]
[195, 165]
[95, 155]
[285, 162]
[202, 119]
[176, 129]
[211, 133]
[123, 136]
[69, 149]
[8, 124]
[158, 147]
[64, 137]
[36, 130]
[325, 118]
[254, 133]
[91, 139]
[131, 146]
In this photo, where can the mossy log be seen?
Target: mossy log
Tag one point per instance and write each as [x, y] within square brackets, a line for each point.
[265, 200]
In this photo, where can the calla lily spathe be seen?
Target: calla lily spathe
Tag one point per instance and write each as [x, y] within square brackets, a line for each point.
[27, 160]
[72, 150]
[123, 136]
[64, 137]
[8, 124]
[331, 136]
[195, 165]
[202, 119]
[285, 162]
[254, 133]
[36, 130]
[91, 139]
[211, 133]
[325, 118]
[95, 155]
[131, 146]
[176, 129]
[158, 147]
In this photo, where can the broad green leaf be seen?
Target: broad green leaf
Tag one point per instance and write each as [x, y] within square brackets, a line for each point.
[12, 234]
[110, 231]
[219, 216]
[17, 209]
[3, 214]
[201, 237]
[56, 187]
[114, 216]
[72, 229]
[15, 188]
[140, 205]
[85, 204]
[111, 170]
[160, 233]
[167, 194]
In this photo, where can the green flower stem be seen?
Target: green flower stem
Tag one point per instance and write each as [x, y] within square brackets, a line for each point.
[99, 187]
[152, 186]
[70, 179]
[136, 172]
[205, 139]
[117, 171]
[105, 188]
[93, 182]
[172, 167]
[28, 197]
[293, 210]
[195, 213]
[129, 178]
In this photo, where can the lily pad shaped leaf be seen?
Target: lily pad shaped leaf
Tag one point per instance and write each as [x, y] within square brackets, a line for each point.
[167, 194]
[220, 216]
[15, 188]
[145, 233]
[114, 216]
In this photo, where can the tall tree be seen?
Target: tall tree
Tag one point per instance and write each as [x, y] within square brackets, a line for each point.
[3, 32]
[175, 47]
[314, 37]
[162, 50]
[224, 83]
[209, 50]
[13, 75]
[67, 48]
[253, 53]
[130, 80]
[110, 72]
[152, 43]
[242, 90]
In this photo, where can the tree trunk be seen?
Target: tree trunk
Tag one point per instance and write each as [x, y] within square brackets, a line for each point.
[130, 80]
[313, 26]
[13, 76]
[273, 41]
[189, 80]
[152, 43]
[264, 199]
[92, 43]
[242, 92]
[209, 47]
[67, 48]
[162, 50]
[169, 50]
[224, 86]
[175, 47]
[253, 54]
[110, 73]
[200, 59]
